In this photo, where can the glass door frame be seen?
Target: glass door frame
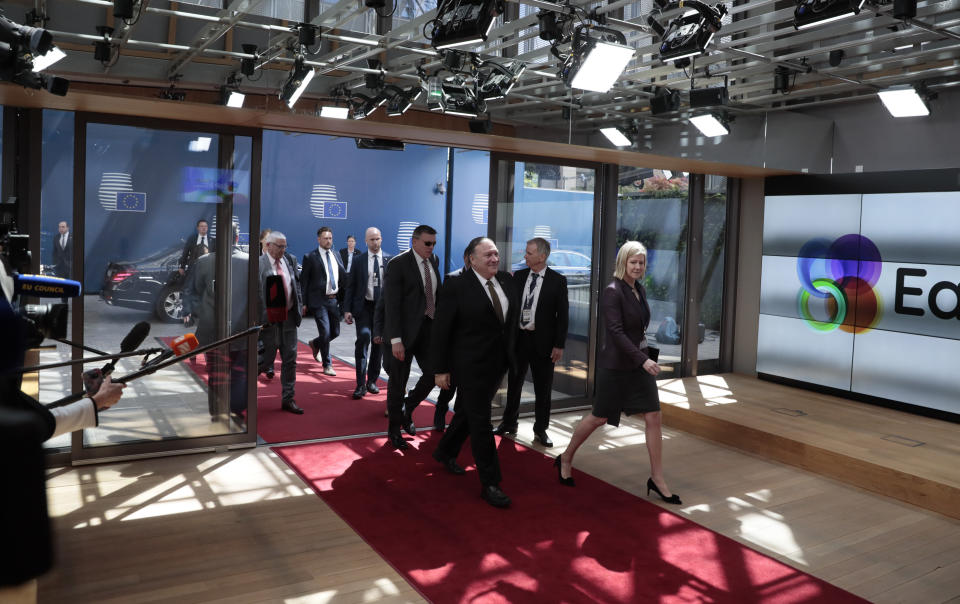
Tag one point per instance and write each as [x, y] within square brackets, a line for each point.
[502, 174]
[227, 134]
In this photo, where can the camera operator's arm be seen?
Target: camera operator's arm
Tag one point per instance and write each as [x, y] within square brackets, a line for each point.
[83, 413]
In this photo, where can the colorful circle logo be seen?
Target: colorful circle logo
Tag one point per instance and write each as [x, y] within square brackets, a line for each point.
[838, 282]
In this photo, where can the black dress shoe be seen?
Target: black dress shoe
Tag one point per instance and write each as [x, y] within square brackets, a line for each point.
[408, 426]
[503, 429]
[449, 463]
[372, 388]
[541, 435]
[291, 406]
[315, 349]
[397, 441]
[494, 496]
[358, 393]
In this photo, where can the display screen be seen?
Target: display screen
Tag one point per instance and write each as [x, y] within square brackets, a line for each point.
[862, 293]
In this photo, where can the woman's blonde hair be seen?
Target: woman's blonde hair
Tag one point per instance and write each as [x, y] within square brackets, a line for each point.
[627, 250]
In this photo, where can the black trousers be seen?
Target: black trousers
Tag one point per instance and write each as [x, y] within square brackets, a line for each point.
[368, 364]
[473, 419]
[400, 372]
[541, 369]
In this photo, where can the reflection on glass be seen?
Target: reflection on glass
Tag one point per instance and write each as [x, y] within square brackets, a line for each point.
[652, 209]
[56, 245]
[556, 203]
[711, 273]
[470, 211]
[149, 194]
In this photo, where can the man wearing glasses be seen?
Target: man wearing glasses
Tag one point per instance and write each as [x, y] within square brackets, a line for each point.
[281, 336]
[410, 301]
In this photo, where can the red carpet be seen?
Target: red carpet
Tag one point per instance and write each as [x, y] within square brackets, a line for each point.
[329, 410]
[591, 543]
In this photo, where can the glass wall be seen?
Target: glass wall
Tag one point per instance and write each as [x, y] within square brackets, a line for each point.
[56, 247]
[652, 209]
[556, 203]
[153, 201]
[711, 273]
[469, 212]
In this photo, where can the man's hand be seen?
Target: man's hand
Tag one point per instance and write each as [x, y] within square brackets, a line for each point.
[348, 317]
[181, 271]
[186, 319]
[398, 351]
[442, 380]
[555, 355]
[377, 340]
[303, 311]
[108, 394]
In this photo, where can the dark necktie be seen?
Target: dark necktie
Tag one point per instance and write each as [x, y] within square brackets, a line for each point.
[428, 289]
[376, 277]
[330, 274]
[496, 300]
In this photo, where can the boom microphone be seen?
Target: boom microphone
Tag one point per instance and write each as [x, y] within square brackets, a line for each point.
[135, 337]
[275, 299]
[180, 346]
[43, 286]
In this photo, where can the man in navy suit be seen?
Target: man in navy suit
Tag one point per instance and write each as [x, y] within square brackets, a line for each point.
[323, 281]
[544, 311]
[364, 290]
[473, 345]
[409, 307]
[63, 253]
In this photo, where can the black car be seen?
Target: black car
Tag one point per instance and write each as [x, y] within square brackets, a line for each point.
[152, 284]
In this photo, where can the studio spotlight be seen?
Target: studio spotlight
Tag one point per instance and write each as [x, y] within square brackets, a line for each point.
[781, 79]
[665, 100]
[248, 65]
[904, 9]
[463, 22]
[306, 34]
[460, 100]
[496, 80]
[297, 82]
[616, 136]
[810, 13]
[598, 56]
[547, 23]
[710, 124]
[362, 106]
[836, 57]
[400, 100]
[904, 101]
[44, 61]
[123, 9]
[711, 96]
[103, 49]
[689, 34]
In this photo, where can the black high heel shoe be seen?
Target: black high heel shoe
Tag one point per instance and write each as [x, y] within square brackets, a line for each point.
[567, 482]
[653, 486]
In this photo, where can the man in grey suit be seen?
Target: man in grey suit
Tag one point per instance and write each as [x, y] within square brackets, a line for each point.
[199, 302]
[281, 336]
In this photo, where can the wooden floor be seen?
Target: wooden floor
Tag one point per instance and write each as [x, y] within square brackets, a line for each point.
[241, 527]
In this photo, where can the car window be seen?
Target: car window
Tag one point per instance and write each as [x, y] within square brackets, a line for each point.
[578, 260]
[558, 259]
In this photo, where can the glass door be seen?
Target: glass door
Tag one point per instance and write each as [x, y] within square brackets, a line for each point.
[164, 226]
[555, 203]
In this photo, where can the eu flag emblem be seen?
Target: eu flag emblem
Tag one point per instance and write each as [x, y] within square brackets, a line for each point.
[335, 209]
[128, 201]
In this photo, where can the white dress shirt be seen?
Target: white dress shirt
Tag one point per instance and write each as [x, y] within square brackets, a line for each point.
[504, 304]
[287, 278]
[202, 239]
[63, 241]
[371, 278]
[536, 298]
[333, 266]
